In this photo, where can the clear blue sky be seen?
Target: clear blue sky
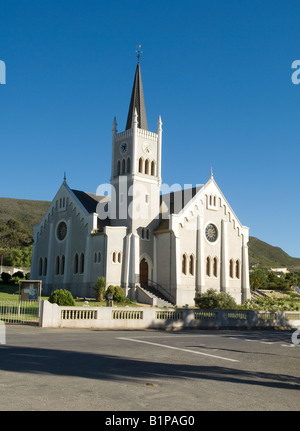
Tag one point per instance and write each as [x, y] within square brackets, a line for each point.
[218, 72]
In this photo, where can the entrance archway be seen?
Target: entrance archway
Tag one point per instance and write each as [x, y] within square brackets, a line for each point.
[144, 271]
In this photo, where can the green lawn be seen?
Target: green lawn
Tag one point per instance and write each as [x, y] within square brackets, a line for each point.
[10, 292]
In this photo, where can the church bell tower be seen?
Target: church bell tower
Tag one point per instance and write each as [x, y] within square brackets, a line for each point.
[136, 165]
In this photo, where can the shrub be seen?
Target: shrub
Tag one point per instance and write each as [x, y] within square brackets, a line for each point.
[61, 297]
[99, 288]
[6, 277]
[18, 274]
[212, 299]
[117, 293]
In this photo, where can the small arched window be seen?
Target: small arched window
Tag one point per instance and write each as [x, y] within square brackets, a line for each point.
[119, 257]
[62, 265]
[123, 166]
[57, 265]
[237, 269]
[184, 264]
[45, 266]
[231, 268]
[114, 257]
[141, 165]
[76, 263]
[40, 266]
[147, 167]
[118, 167]
[191, 265]
[81, 263]
[153, 168]
[208, 266]
[128, 165]
[215, 267]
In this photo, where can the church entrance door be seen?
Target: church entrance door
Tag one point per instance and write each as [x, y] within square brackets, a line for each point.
[144, 272]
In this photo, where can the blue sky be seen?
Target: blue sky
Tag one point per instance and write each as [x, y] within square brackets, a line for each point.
[218, 72]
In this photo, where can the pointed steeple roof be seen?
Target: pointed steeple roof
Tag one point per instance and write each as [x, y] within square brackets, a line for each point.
[137, 102]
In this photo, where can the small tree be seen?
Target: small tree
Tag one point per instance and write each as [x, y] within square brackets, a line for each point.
[99, 288]
[61, 297]
[214, 300]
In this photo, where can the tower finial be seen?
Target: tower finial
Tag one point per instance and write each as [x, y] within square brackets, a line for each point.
[211, 173]
[138, 52]
[65, 178]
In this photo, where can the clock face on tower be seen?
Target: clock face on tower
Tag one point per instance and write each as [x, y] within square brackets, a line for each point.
[123, 148]
[147, 147]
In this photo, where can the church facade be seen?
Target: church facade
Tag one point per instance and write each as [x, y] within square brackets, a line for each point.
[144, 237]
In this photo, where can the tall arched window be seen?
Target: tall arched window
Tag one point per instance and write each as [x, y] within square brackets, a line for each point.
[119, 167]
[123, 166]
[119, 257]
[231, 268]
[191, 265]
[81, 263]
[76, 263]
[237, 269]
[40, 266]
[184, 264]
[128, 165]
[141, 165]
[208, 266]
[215, 267]
[114, 257]
[153, 168]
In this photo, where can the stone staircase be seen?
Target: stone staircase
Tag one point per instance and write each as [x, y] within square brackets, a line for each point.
[157, 297]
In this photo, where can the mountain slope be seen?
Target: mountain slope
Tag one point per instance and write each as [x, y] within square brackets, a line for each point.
[18, 216]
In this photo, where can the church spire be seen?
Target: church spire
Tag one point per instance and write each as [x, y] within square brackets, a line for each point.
[137, 102]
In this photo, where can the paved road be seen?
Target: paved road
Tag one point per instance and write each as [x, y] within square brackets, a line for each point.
[73, 369]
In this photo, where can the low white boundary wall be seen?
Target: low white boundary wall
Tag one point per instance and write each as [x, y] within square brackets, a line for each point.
[54, 316]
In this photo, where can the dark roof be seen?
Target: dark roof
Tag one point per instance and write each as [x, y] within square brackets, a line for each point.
[176, 201]
[137, 102]
[88, 200]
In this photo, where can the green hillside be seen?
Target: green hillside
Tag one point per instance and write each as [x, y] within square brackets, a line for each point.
[18, 216]
[266, 255]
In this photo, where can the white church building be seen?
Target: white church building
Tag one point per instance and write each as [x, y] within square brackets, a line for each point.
[151, 241]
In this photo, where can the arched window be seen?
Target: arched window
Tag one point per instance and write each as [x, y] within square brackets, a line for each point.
[119, 257]
[114, 257]
[148, 233]
[141, 165]
[231, 268]
[191, 265]
[45, 266]
[128, 165]
[57, 265]
[119, 167]
[184, 264]
[143, 233]
[147, 167]
[208, 266]
[153, 168]
[40, 266]
[81, 263]
[215, 267]
[62, 265]
[95, 257]
[237, 269]
[123, 166]
[76, 263]
[99, 256]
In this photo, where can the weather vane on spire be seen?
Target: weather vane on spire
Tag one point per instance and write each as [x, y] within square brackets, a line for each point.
[138, 52]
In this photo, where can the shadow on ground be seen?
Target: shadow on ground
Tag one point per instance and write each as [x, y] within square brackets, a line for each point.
[107, 367]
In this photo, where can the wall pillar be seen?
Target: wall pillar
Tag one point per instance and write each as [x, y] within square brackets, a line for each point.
[224, 257]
